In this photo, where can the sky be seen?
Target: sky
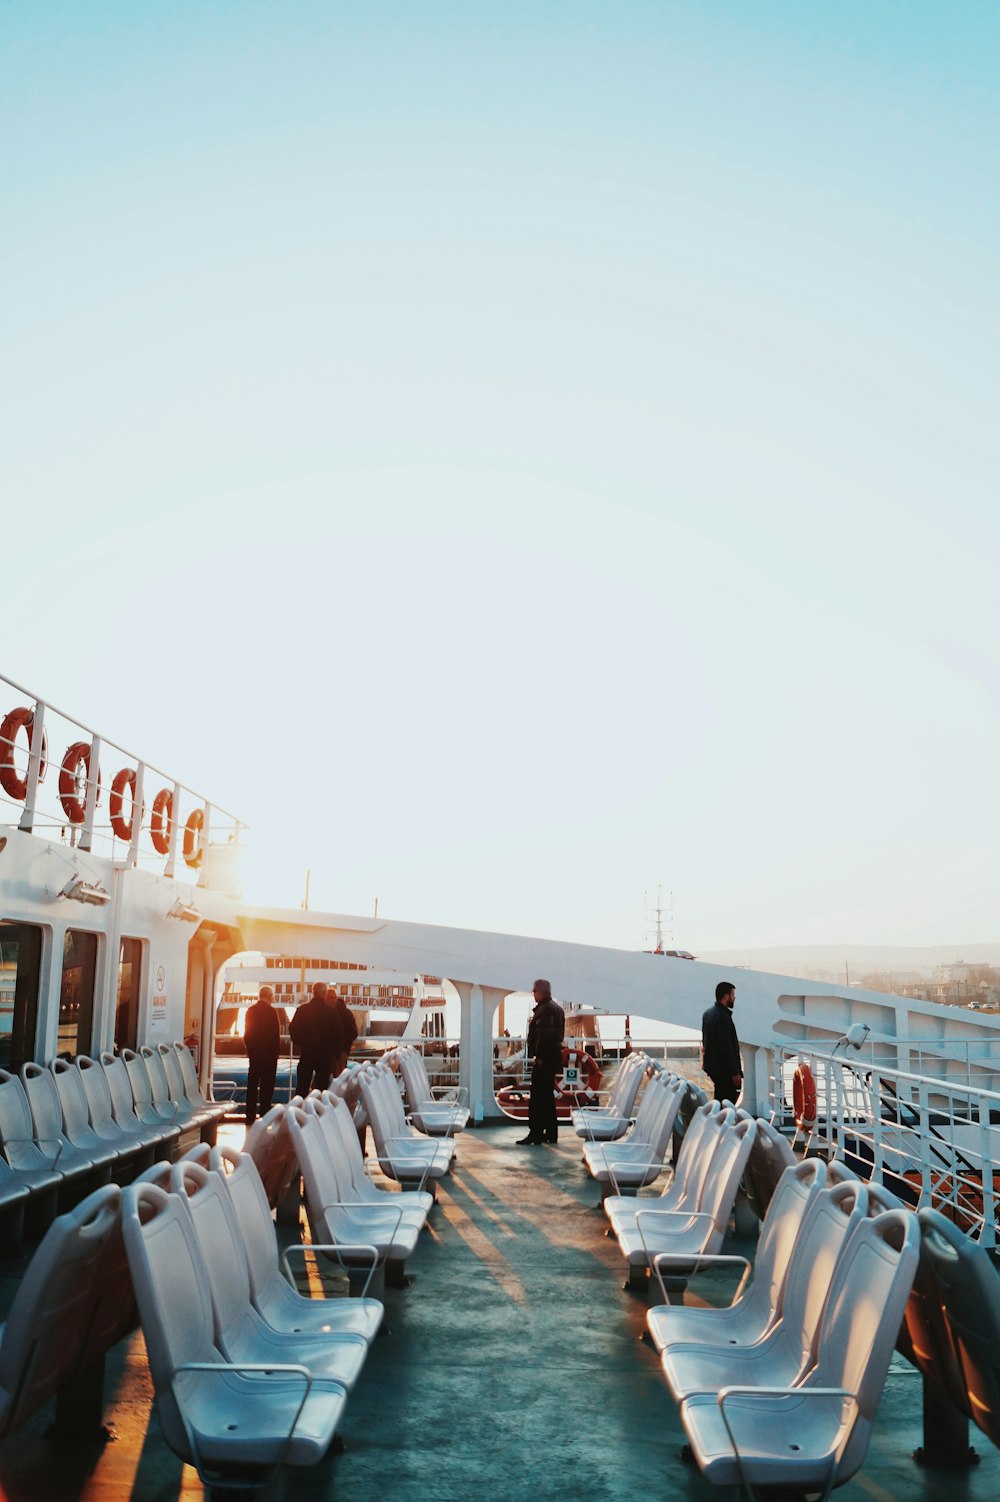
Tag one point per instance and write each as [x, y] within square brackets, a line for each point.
[513, 456]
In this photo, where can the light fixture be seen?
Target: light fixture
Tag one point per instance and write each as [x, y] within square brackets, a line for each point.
[185, 912]
[86, 891]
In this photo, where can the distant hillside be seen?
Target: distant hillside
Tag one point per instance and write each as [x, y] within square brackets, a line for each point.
[820, 960]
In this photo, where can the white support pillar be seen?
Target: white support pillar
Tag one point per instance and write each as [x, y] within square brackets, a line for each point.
[475, 1060]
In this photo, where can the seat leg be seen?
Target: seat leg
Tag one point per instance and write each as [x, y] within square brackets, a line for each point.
[946, 1432]
[80, 1407]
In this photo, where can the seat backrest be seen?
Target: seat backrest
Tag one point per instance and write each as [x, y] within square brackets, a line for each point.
[249, 1201]
[862, 1316]
[211, 1210]
[269, 1145]
[968, 1287]
[633, 1078]
[43, 1102]
[158, 1083]
[17, 1130]
[317, 1171]
[650, 1109]
[189, 1074]
[95, 1086]
[72, 1099]
[175, 1075]
[120, 1090]
[388, 1089]
[323, 1112]
[71, 1303]
[829, 1221]
[341, 1118]
[172, 1291]
[725, 1170]
[771, 1155]
[138, 1078]
[702, 1130]
[795, 1192]
[418, 1090]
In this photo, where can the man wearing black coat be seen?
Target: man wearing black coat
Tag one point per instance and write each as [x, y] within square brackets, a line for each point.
[545, 1035]
[345, 1029]
[314, 1032]
[720, 1047]
[262, 1036]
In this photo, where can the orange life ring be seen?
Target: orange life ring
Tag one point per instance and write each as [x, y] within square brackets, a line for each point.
[161, 822]
[116, 803]
[77, 756]
[18, 719]
[804, 1096]
[192, 837]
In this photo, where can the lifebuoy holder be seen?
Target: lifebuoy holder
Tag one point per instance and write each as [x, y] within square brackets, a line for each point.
[804, 1097]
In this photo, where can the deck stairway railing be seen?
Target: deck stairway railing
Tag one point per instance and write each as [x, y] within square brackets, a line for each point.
[930, 1138]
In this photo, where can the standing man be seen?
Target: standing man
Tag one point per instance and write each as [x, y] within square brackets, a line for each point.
[345, 1030]
[312, 1032]
[545, 1035]
[262, 1036]
[720, 1047]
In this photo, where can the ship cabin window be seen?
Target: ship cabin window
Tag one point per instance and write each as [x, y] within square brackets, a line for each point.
[76, 995]
[127, 1008]
[20, 975]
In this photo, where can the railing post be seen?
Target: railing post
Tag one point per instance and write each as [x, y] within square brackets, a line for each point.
[133, 849]
[205, 832]
[34, 767]
[93, 776]
[175, 821]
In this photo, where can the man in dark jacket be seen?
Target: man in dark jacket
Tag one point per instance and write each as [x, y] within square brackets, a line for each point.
[345, 1030]
[262, 1036]
[720, 1047]
[545, 1035]
[313, 1033]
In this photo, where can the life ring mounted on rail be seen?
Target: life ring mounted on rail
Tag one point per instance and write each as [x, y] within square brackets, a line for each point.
[193, 838]
[161, 822]
[116, 804]
[18, 719]
[75, 770]
[804, 1097]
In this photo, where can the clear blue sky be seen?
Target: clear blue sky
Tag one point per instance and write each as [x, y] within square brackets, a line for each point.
[513, 454]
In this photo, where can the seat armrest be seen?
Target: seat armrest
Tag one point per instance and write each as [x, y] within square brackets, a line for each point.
[701, 1264]
[337, 1251]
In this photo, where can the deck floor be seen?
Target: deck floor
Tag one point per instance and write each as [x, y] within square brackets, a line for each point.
[513, 1369]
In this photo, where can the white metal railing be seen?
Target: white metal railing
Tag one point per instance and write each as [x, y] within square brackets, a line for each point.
[932, 1140]
[61, 779]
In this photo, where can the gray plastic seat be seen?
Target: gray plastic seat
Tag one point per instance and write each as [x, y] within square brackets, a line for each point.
[281, 1304]
[129, 1139]
[438, 1118]
[152, 1130]
[236, 1424]
[73, 1302]
[753, 1312]
[811, 1433]
[242, 1332]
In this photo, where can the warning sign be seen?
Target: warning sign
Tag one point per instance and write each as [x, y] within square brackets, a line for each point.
[160, 996]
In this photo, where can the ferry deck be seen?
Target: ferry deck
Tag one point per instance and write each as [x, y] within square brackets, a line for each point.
[512, 1366]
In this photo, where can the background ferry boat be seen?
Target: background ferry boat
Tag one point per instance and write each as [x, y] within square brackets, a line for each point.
[388, 1008]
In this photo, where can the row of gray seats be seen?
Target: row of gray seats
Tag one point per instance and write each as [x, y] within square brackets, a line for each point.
[68, 1127]
[780, 1388]
[248, 1373]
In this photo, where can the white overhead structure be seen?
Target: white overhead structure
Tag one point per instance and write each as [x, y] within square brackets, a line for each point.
[486, 967]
